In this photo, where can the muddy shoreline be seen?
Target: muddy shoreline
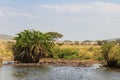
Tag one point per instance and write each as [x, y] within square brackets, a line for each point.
[58, 62]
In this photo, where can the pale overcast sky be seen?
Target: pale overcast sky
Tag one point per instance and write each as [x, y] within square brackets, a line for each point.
[75, 19]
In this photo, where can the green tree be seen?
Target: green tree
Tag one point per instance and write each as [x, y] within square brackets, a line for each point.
[99, 42]
[55, 35]
[31, 45]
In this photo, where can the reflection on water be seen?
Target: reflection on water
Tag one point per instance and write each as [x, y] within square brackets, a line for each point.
[58, 73]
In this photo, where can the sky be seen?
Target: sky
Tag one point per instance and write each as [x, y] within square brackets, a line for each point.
[75, 19]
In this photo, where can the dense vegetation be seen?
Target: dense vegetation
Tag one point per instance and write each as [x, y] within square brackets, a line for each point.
[80, 52]
[111, 54]
[66, 53]
[31, 45]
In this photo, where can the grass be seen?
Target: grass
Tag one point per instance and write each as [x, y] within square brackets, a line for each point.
[80, 52]
[66, 53]
[6, 50]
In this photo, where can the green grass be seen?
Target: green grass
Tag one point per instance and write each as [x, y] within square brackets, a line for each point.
[81, 52]
[77, 52]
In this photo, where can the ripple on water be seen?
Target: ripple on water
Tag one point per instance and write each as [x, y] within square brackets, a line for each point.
[57, 73]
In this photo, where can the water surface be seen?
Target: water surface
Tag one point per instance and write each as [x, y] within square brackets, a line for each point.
[58, 73]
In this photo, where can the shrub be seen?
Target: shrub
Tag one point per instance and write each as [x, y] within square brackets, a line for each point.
[55, 52]
[114, 57]
[67, 53]
[106, 49]
[111, 53]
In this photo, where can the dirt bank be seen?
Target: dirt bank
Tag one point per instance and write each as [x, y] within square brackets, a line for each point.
[63, 62]
[59, 62]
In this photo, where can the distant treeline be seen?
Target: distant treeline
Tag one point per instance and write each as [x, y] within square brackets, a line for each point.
[86, 42]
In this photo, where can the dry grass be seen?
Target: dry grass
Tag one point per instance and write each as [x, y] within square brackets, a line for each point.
[87, 51]
[6, 50]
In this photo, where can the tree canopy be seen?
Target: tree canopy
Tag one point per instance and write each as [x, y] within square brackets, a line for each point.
[31, 45]
[55, 35]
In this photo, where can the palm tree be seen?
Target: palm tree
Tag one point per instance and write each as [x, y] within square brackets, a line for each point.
[31, 45]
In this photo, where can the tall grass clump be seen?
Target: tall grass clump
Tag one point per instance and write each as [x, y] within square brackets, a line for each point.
[66, 53]
[114, 57]
[111, 54]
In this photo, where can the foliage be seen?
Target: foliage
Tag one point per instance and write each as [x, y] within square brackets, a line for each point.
[31, 45]
[83, 51]
[77, 52]
[55, 35]
[84, 55]
[99, 42]
[67, 53]
[106, 49]
[111, 53]
[114, 57]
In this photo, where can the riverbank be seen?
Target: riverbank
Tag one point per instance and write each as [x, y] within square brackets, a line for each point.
[64, 62]
[58, 62]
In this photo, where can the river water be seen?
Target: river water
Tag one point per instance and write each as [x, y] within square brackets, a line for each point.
[58, 73]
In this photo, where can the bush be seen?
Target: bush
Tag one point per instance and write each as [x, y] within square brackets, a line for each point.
[111, 53]
[98, 56]
[67, 53]
[114, 57]
[106, 49]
